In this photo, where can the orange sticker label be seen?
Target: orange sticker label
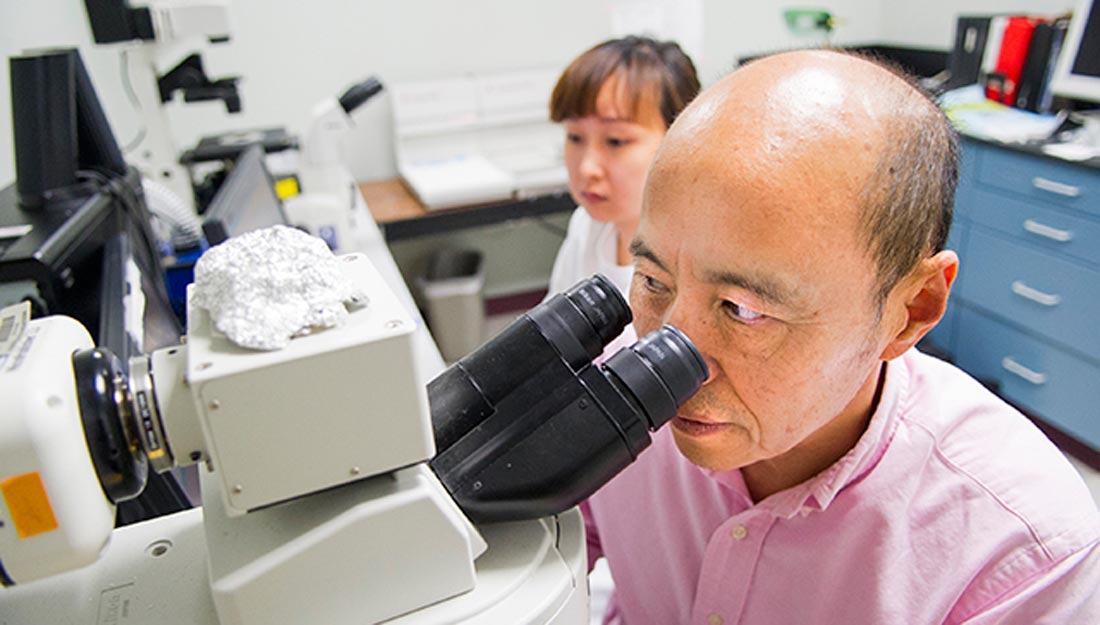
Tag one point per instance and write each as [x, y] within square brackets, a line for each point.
[28, 504]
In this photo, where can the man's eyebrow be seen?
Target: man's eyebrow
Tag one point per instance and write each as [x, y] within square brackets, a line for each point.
[639, 249]
[767, 290]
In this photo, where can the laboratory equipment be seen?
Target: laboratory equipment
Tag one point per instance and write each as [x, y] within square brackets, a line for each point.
[319, 501]
[246, 201]
[147, 34]
[326, 205]
[77, 239]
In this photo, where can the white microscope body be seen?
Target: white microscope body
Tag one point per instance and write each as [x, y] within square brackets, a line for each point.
[329, 204]
[318, 505]
[174, 22]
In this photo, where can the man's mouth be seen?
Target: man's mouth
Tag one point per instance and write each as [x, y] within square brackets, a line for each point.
[693, 427]
[592, 198]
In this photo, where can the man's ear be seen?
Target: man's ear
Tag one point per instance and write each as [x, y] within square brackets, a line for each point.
[924, 298]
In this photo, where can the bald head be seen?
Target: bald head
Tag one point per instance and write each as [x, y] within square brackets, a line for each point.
[846, 139]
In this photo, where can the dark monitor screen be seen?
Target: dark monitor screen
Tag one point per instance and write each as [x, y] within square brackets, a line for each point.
[1077, 73]
[246, 200]
[1088, 52]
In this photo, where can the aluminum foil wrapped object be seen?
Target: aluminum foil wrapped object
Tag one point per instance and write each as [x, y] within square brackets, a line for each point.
[265, 287]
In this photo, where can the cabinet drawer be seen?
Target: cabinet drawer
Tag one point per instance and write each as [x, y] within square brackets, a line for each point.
[1037, 376]
[1066, 184]
[1050, 296]
[1045, 227]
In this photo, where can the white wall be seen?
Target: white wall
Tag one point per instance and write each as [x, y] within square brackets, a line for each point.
[292, 53]
[931, 23]
[735, 29]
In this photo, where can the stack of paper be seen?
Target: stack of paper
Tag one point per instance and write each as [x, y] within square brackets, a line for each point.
[478, 139]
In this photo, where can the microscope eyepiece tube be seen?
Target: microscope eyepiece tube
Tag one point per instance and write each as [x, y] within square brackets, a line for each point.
[591, 313]
[662, 370]
[547, 345]
[526, 426]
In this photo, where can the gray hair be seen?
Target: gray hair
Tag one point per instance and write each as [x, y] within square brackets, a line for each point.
[909, 201]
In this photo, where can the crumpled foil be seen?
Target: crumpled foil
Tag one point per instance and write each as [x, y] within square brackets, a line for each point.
[265, 287]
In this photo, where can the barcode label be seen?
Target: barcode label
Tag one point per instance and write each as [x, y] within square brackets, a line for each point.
[13, 320]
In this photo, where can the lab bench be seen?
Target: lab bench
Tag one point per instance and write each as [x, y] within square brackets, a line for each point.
[1024, 315]
[401, 215]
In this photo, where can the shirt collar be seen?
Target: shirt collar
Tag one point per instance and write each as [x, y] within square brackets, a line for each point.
[819, 491]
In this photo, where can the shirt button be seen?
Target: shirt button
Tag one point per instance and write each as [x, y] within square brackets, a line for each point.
[739, 532]
[714, 619]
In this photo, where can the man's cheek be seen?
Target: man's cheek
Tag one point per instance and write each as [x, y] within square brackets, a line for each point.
[645, 319]
[644, 316]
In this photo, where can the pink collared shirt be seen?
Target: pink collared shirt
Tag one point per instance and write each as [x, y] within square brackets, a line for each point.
[952, 508]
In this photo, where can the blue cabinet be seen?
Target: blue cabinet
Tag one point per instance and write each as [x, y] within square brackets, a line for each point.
[1024, 315]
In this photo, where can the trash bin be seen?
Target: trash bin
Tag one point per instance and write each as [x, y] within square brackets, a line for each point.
[452, 288]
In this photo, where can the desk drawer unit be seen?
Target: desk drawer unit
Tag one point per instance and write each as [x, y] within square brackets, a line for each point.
[1025, 312]
[1048, 295]
[1035, 178]
[1037, 224]
[1049, 382]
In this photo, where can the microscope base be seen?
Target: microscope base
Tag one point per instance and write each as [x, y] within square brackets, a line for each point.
[533, 572]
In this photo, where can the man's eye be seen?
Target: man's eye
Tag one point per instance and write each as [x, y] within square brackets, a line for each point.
[653, 285]
[616, 142]
[741, 312]
[573, 138]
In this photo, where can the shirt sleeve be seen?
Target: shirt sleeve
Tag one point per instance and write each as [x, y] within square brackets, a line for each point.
[1065, 593]
[591, 536]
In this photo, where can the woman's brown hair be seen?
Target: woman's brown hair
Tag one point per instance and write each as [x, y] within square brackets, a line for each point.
[647, 73]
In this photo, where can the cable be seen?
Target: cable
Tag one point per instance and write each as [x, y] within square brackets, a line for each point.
[128, 197]
[124, 69]
[162, 202]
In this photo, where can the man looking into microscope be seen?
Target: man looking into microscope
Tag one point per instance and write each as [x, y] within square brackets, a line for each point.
[827, 472]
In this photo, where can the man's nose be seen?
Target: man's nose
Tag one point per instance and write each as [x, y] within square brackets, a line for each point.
[694, 328]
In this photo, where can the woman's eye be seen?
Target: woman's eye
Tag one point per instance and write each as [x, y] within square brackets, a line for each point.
[616, 142]
[741, 312]
[572, 138]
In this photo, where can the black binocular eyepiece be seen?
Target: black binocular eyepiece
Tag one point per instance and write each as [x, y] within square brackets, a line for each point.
[527, 426]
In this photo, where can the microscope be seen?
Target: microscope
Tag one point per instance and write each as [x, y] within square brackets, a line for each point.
[337, 487]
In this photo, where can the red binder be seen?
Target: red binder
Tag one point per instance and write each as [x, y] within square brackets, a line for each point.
[1004, 86]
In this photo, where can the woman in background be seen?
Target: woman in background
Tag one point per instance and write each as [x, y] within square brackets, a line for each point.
[616, 101]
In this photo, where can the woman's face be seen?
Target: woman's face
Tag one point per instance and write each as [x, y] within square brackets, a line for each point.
[608, 156]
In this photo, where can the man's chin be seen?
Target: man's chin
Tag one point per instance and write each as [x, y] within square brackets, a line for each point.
[710, 455]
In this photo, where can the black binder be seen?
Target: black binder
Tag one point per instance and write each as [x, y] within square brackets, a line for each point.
[1046, 96]
[965, 63]
[1042, 56]
[1029, 94]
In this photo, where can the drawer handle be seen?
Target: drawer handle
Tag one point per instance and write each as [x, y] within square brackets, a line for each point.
[1058, 188]
[1020, 371]
[1035, 295]
[1043, 230]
